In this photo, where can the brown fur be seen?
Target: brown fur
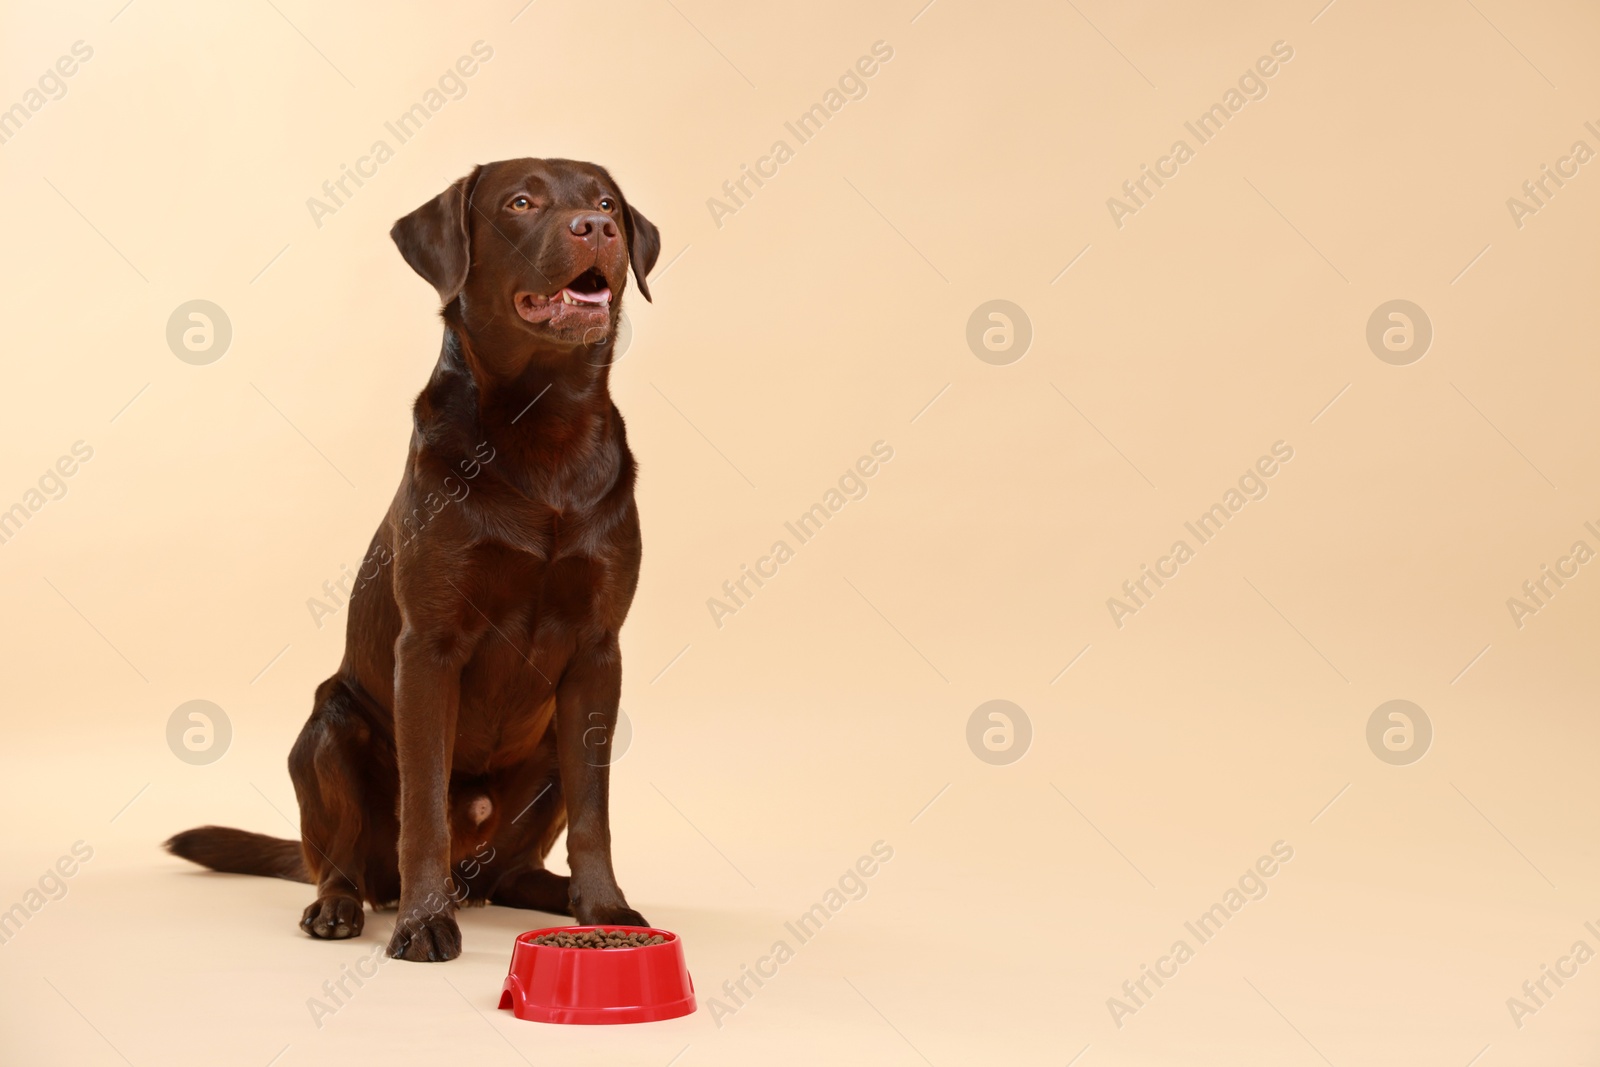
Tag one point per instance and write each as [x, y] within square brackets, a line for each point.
[481, 657]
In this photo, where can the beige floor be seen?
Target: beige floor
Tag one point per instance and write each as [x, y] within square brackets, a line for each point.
[833, 710]
[996, 933]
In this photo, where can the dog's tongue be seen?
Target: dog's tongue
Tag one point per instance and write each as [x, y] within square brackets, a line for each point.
[571, 296]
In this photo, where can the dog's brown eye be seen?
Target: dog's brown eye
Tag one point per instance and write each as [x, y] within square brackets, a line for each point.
[607, 204]
[520, 203]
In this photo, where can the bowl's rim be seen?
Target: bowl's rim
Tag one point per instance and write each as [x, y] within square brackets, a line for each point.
[526, 938]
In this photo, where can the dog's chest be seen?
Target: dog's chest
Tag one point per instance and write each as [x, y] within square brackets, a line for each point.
[538, 613]
[544, 576]
[526, 526]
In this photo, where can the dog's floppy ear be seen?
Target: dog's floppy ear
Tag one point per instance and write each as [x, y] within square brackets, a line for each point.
[435, 239]
[644, 245]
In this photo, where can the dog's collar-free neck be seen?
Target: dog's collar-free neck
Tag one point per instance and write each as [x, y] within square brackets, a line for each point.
[571, 380]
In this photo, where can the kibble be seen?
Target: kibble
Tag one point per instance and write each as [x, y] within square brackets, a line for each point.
[599, 938]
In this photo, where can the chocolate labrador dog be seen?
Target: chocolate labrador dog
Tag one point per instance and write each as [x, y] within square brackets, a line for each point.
[470, 720]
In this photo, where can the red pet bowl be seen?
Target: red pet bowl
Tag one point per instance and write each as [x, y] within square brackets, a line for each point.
[552, 984]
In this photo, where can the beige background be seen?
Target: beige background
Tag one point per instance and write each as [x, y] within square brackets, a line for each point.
[825, 315]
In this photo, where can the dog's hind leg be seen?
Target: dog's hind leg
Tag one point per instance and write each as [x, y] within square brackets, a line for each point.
[336, 764]
[527, 839]
[536, 889]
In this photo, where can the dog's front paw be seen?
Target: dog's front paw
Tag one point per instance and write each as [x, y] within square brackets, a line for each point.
[333, 917]
[425, 938]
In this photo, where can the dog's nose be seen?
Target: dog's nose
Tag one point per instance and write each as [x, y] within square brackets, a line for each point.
[593, 226]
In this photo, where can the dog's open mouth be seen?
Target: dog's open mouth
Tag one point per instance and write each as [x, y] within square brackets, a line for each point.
[585, 301]
[590, 287]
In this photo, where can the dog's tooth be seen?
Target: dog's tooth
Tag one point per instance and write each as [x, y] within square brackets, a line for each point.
[567, 297]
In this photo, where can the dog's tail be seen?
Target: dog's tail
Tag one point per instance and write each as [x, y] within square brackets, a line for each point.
[240, 852]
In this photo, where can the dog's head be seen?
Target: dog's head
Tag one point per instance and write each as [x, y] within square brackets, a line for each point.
[543, 244]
